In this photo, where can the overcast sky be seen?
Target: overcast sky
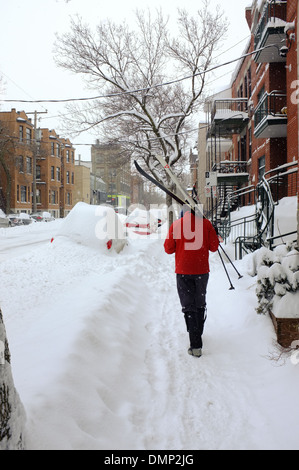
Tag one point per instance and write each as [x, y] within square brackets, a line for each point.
[27, 35]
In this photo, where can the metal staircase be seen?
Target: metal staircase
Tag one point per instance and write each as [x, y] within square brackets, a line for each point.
[252, 232]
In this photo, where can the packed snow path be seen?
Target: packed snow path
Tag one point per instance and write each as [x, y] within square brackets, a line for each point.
[99, 355]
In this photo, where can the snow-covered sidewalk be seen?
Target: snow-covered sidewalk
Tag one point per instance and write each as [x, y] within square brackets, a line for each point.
[99, 355]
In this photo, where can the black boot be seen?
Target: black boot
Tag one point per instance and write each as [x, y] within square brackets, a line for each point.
[195, 326]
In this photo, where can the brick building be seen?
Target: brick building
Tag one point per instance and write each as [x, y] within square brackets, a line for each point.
[17, 177]
[260, 115]
[55, 174]
[55, 163]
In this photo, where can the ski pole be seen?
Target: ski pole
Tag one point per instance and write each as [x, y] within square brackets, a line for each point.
[240, 275]
[231, 285]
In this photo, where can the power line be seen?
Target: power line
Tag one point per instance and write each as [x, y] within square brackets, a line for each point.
[139, 90]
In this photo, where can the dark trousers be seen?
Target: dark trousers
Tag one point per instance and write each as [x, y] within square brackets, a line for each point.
[192, 290]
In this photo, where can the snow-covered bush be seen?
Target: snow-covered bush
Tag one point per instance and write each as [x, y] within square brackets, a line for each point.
[12, 414]
[278, 280]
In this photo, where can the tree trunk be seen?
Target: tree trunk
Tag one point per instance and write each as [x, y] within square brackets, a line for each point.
[12, 414]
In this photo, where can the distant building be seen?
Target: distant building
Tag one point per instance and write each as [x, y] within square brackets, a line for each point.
[55, 163]
[89, 188]
[55, 174]
[112, 164]
[82, 192]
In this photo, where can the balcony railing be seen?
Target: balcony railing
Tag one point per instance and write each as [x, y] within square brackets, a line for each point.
[226, 109]
[229, 116]
[272, 110]
[231, 173]
[271, 25]
[231, 167]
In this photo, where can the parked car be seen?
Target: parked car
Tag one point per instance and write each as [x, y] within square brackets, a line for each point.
[26, 219]
[15, 220]
[37, 217]
[4, 221]
[142, 222]
[48, 217]
[42, 217]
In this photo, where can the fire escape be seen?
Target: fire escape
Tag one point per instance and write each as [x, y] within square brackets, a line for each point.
[228, 117]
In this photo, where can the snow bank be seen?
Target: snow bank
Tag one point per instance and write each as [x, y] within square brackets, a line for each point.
[286, 306]
[286, 218]
[99, 353]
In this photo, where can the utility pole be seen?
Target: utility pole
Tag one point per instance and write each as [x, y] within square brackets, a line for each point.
[37, 138]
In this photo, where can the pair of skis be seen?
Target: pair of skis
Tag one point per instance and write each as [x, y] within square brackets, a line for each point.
[186, 199]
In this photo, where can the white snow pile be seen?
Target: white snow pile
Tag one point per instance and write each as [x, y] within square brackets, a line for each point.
[99, 350]
[94, 226]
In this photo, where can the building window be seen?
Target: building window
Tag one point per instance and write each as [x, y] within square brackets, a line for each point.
[73, 178]
[29, 165]
[250, 143]
[68, 156]
[262, 167]
[243, 149]
[260, 98]
[52, 197]
[28, 135]
[20, 163]
[58, 174]
[38, 197]
[52, 173]
[68, 177]
[249, 82]
[23, 194]
[38, 172]
[21, 133]
[68, 199]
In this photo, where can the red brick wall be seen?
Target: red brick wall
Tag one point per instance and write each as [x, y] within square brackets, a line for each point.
[275, 76]
[292, 86]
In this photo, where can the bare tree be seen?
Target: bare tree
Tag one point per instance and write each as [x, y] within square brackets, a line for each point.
[149, 83]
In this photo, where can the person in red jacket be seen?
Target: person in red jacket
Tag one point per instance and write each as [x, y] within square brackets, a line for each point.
[191, 238]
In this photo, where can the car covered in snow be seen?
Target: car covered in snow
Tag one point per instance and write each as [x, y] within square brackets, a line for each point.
[98, 227]
[4, 220]
[26, 218]
[20, 219]
[142, 222]
[37, 217]
[42, 217]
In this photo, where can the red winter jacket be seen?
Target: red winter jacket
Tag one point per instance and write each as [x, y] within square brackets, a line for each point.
[191, 238]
